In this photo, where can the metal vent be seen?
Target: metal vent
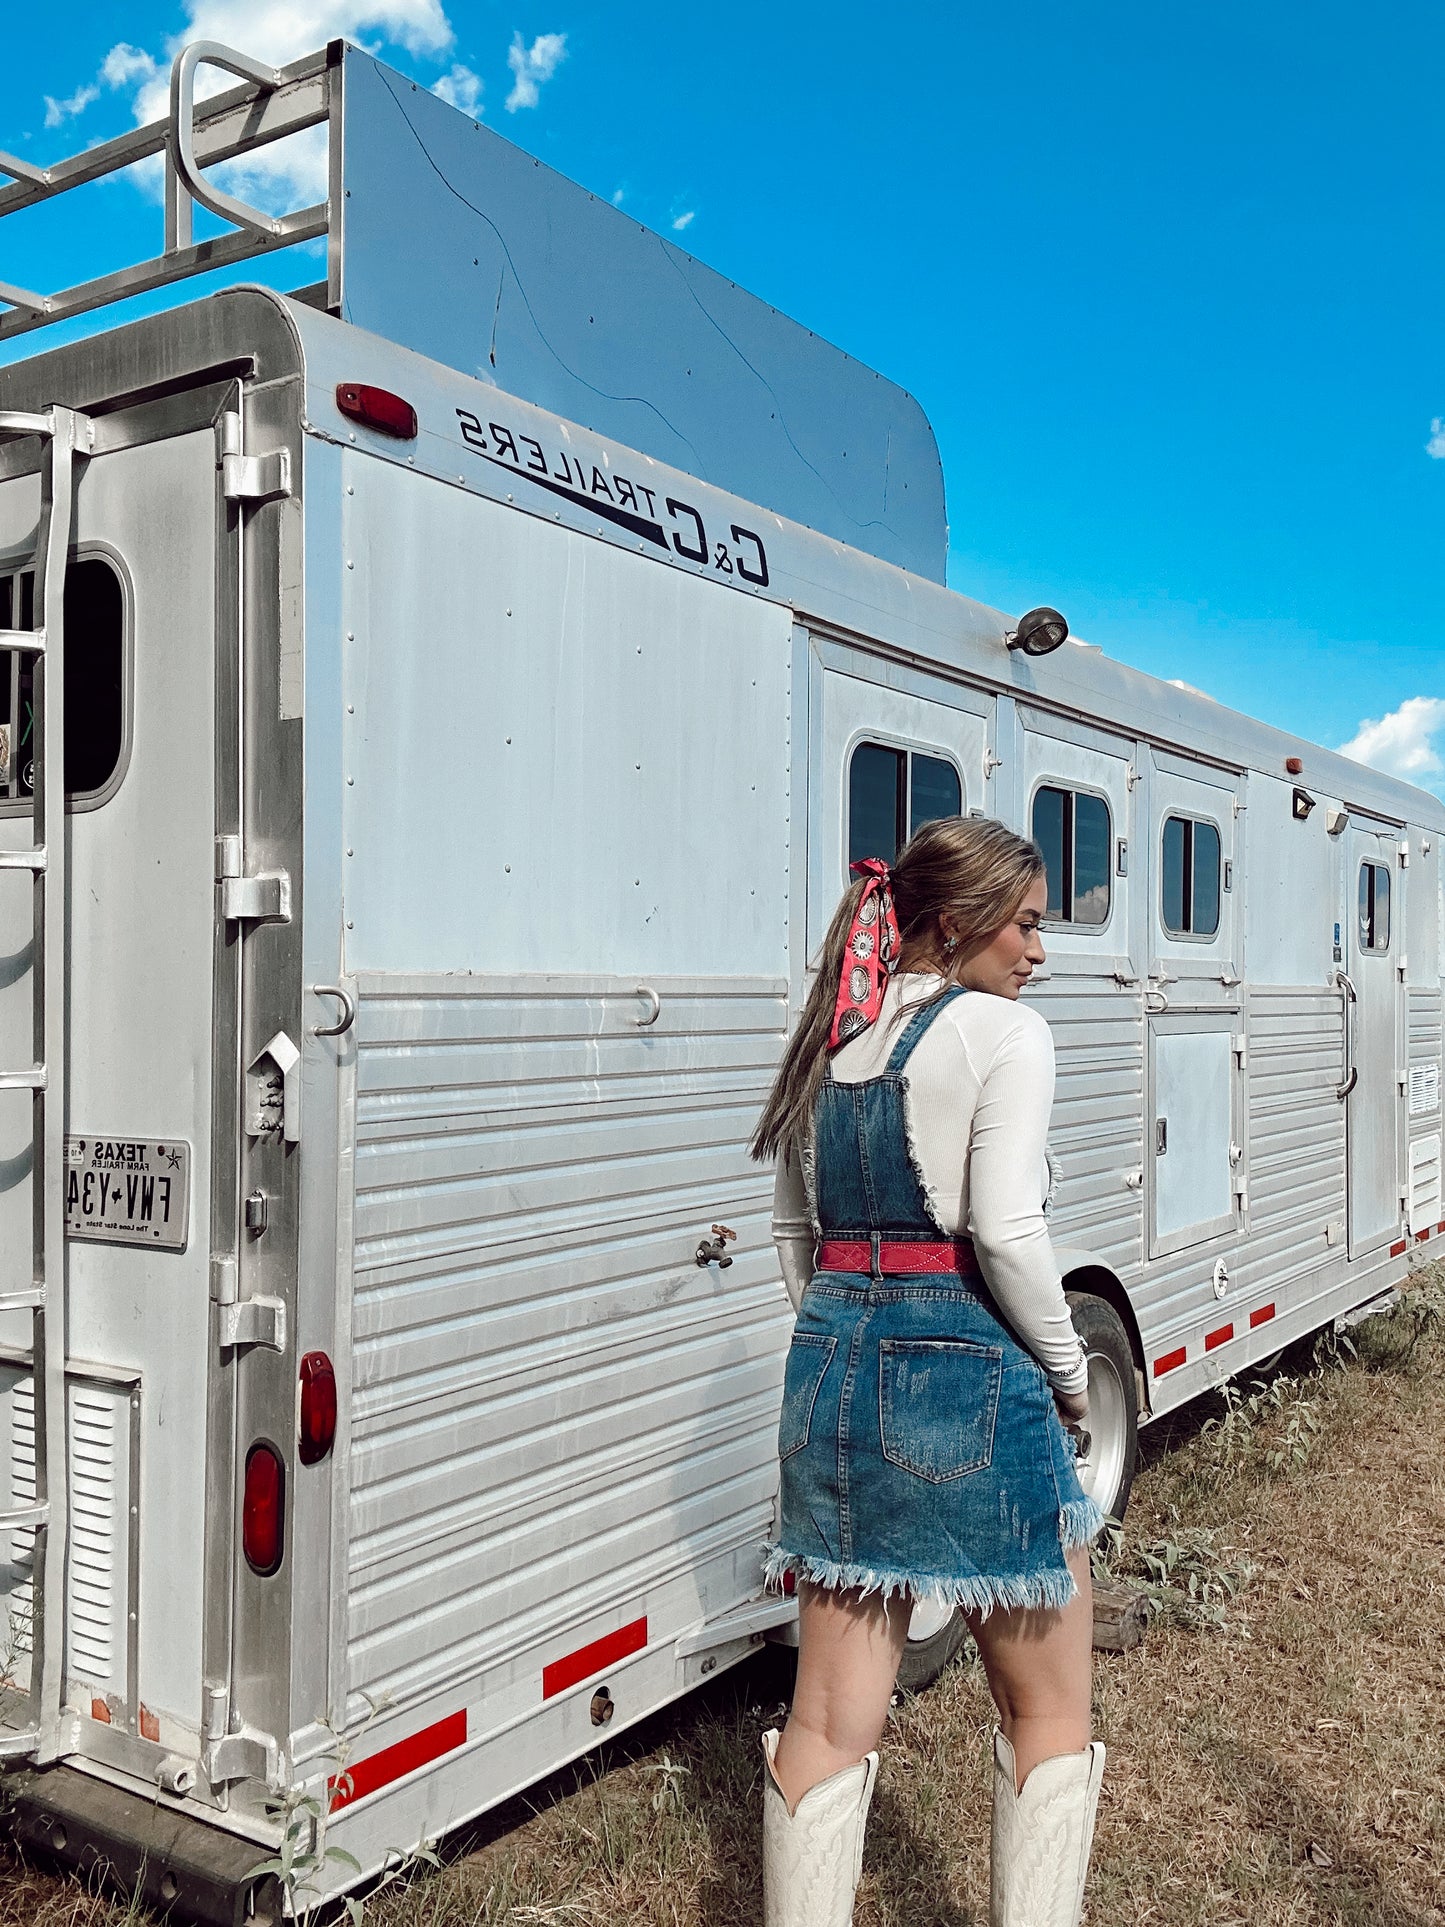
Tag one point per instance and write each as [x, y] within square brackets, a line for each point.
[1424, 1089]
[98, 1569]
[1425, 1206]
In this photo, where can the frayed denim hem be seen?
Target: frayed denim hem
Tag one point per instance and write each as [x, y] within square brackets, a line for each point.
[1080, 1523]
[979, 1595]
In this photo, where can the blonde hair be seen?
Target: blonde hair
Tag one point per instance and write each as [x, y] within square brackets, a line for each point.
[972, 869]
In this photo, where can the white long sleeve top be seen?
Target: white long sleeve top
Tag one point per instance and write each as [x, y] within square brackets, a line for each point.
[979, 1092]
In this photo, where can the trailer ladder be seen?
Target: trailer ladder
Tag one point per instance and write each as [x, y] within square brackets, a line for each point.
[274, 102]
[65, 437]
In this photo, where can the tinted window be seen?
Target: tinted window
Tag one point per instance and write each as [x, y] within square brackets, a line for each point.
[1374, 906]
[1074, 831]
[1190, 877]
[94, 680]
[934, 791]
[875, 802]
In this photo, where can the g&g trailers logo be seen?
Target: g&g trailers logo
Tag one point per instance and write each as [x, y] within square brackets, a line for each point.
[673, 526]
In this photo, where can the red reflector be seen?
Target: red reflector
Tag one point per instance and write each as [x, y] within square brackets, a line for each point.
[1220, 1337]
[1398, 1251]
[377, 408]
[595, 1658]
[1421, 1236]
[394, 1761]
[1440, 1227]
[1169, 1361]
[263, 1509]
[318, 1408]
[1261, 1316]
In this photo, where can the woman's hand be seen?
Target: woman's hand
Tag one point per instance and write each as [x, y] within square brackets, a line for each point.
[1073, 1408]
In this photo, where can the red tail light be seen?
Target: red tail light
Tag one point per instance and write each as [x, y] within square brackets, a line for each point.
[377, 408]
[318, 1408]
[263, 1509]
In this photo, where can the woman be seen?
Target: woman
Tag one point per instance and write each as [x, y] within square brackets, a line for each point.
[932, 1372]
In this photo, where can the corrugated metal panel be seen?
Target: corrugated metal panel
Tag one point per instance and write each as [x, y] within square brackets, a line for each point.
[1296, 1128]
[554, 1407]
[1097, 1129]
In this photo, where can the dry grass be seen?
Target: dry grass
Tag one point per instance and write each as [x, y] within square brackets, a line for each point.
[1275, 1751]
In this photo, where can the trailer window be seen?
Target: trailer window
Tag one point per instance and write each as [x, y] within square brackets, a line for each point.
[1190, 877]
[94, 680]
[892, 793]
[1374, 906]
[1073, 829]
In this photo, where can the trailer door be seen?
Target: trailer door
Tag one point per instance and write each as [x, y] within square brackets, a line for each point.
[1373, 919]
[144, 1015]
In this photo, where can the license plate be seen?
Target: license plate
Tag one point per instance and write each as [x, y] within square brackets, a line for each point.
[127, 1191]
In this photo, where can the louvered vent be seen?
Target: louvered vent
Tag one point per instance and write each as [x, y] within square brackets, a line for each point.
[98, 1566]
[1425, 1206]
[1424, 1089]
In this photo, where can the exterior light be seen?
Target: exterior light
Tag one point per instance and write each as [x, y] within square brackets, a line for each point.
[263, 1509]
[318, 1408]
[1039, 633]
[377, 408]
[1303, 804]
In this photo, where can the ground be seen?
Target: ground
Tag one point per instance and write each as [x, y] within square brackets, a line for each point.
[1275, 1745]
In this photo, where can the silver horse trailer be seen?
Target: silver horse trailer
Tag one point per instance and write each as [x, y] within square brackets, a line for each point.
[439, 711]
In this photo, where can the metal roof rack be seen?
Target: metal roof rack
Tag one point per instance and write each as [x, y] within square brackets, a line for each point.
[272, 103]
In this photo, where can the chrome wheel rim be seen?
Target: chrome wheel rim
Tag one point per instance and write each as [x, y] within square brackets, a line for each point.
[1102, 1472]
[930, 1616]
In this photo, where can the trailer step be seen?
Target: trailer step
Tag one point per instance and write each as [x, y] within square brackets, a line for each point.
[22, 859]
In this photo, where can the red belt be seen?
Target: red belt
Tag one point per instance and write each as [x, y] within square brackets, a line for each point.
[898, 1258]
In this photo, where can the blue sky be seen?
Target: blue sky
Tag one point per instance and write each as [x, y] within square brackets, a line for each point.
[1168, 280]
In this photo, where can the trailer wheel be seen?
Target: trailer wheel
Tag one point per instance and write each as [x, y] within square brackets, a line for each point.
[935, 1634]
[1108, 1472]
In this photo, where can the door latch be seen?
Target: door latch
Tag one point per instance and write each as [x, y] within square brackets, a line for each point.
[1161, 1136]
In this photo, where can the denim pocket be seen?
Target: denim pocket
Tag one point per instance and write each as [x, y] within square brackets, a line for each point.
[809, 1357]
[937, 1404]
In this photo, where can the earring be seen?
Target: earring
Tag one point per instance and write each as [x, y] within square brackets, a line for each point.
[950, 944]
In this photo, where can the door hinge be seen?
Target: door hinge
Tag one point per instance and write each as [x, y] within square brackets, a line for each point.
[1239, 1045]
[264, 897]
[244, 1755]
[244, 1321]
[251, 478]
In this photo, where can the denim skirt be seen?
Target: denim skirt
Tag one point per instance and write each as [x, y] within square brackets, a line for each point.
[921, 1450]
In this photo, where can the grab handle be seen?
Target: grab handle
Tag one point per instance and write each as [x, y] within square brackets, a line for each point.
[348, 1010]
[1350, 996]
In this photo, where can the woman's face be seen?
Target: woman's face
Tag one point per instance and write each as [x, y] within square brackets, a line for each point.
[1006, 962]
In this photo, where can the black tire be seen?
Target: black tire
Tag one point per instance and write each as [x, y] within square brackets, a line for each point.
[1107, 1472]
[924, 1659]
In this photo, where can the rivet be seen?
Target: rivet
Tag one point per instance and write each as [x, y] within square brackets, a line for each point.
[349, 924]
[349, 489]
[349, 563]
[508, 868]
[351, 635]
[350, 781]
[351, 711]
[351, 852]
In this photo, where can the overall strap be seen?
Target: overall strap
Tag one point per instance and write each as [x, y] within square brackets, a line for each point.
[917, 1024]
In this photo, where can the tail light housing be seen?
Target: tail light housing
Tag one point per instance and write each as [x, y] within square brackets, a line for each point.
[263, 1509]
[318, 1408]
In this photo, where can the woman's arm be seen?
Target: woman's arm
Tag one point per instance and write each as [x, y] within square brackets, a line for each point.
[793, 1225]
[1006, 1217]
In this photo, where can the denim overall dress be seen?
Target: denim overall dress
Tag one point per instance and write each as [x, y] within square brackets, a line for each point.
[921, 1449]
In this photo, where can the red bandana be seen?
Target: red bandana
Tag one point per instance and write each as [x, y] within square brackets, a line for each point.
[871, 955]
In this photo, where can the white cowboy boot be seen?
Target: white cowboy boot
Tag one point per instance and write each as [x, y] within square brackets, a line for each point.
[1042, 1836]
[812, 1857]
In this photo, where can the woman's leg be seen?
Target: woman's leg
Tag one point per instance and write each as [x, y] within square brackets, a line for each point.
[1039, 1667]
[849, 1649]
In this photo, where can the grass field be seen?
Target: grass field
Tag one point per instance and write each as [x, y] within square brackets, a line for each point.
[1276, 1745]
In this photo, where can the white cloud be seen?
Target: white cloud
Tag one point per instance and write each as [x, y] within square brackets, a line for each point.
[1436, 444]
[57, 111]
[619, 195]
[1408, 742]
[684, 220]
[125, 63]
[461, 88]
[533, 65]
